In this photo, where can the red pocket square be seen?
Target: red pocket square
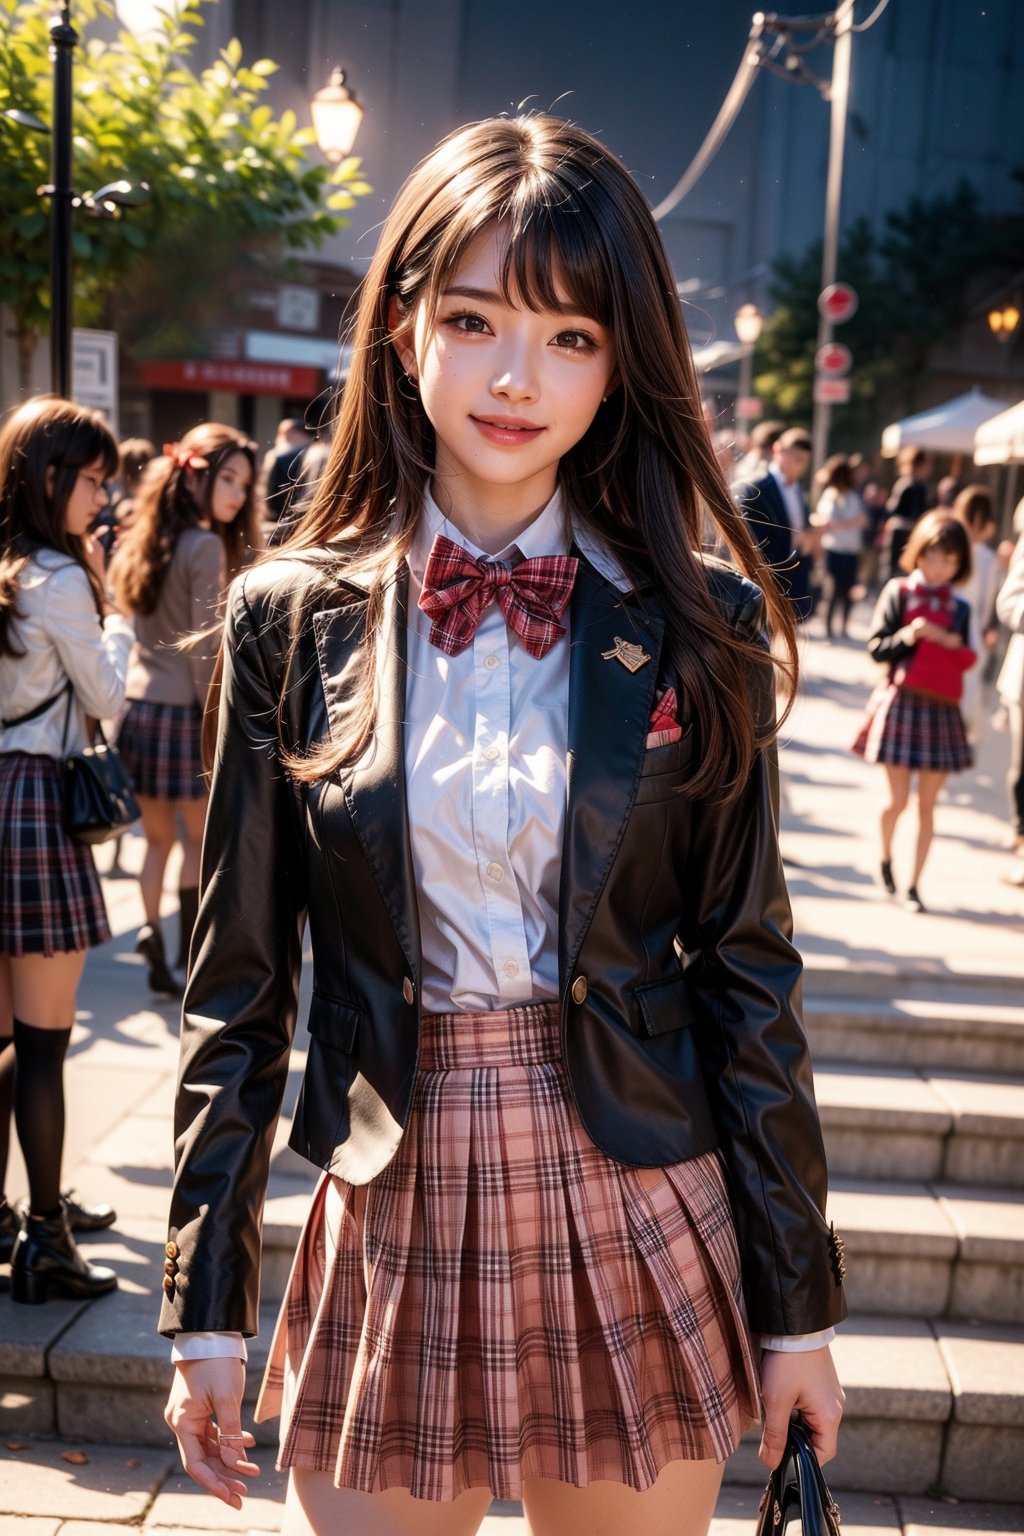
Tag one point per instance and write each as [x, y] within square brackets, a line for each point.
[664, 727]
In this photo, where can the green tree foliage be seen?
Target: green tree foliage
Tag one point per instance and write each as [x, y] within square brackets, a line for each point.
[231, 186]
[916, 283]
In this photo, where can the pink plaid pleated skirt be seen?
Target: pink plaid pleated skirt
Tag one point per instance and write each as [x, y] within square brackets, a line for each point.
[504, 1301]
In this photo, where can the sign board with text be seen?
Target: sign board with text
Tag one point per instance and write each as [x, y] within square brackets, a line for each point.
[94, 372]
[831, 391]
[245, 378]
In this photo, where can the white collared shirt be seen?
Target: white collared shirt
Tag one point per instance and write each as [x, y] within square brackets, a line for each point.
[792, 499]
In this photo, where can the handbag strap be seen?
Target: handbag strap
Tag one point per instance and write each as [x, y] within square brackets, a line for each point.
[40, 709]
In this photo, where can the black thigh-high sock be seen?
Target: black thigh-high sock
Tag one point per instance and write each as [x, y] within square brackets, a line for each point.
[6, 1104]
[39, 1110]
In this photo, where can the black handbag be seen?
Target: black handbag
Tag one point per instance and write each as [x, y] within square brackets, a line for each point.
[797, 1491]
[96, 792]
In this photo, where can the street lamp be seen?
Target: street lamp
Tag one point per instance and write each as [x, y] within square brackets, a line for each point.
[1003, 322]
[748, 321]
[336, 117]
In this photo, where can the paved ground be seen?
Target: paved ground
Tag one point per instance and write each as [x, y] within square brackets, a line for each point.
[123, 1058]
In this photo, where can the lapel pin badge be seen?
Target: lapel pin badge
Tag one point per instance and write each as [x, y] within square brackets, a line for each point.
[632, 657]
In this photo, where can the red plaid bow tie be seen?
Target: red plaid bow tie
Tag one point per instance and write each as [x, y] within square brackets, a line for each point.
[532, 595]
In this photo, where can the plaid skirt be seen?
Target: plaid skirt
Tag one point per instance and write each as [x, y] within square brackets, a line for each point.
[159, 746]
[504, 1301]
[910, 730]
[50, 896]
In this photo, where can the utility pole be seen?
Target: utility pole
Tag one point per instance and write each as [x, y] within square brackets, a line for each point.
[63, 38]
[839, 96]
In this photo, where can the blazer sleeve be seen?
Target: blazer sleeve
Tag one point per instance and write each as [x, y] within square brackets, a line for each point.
[240, 1003]
[1010, 600]
[744, 980]
[889, 641]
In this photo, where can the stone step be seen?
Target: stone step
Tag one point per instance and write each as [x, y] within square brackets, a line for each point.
[951, 1027]
[928, 1404]
[932, 1250]
[922, 1124]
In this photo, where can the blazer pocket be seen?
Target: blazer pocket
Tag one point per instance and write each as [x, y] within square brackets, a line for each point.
[665, 768]
[664, 1006]
[334, 1022]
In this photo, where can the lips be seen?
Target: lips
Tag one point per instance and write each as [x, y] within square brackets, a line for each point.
[510, 431]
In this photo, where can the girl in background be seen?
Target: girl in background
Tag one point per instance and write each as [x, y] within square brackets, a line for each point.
[908, 730]
[63, 656]
[841, 517]
[194, 525]
[500, 729]
[975, 509]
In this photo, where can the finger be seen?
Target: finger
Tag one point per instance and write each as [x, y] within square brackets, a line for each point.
[233, 1440]
[774, 1431]
[824, 1429]
[214, 1478]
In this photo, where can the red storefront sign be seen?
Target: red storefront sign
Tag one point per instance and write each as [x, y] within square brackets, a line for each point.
[203, 374]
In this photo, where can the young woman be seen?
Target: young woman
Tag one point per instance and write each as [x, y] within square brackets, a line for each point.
[911, 727]
[840, 515]
[497, 728]
[976, 510]
[193, 527]
[63, 656]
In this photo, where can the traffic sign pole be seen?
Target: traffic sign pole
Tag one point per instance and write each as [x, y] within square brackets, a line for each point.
[840, 92]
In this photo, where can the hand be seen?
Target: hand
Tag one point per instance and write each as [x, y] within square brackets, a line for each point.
[204, 1412]
[805, 1383]
[95, 557]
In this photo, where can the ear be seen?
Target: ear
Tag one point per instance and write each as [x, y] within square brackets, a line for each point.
[402, 337]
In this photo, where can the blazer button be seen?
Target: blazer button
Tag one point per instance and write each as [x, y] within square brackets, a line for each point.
[579, 990]
[170, 1266]
[171, 1250]
[168, 1283]
[408, 991]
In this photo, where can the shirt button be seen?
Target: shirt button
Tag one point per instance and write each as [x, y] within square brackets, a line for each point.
[495, 871]
[492, 754]
[510, 968]
[490, 662]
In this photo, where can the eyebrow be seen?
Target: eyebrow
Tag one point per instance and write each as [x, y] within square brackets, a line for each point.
[490, 296]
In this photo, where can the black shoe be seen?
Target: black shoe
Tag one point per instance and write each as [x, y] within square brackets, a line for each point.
[10, 1226]
[81, 1218]
[914, 902]
[887, 879]
[46, 1263]
[150, 945]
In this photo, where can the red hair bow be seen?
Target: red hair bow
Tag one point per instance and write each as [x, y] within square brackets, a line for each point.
[185, 458]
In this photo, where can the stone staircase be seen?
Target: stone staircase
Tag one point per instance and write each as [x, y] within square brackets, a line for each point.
[927, 1158]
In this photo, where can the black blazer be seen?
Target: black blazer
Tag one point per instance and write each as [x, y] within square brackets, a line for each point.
[762, 504]
[679, 984]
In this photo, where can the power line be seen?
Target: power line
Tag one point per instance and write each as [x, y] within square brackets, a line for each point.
[727, 115]
[863, 26]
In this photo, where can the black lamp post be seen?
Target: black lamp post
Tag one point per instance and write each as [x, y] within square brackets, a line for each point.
[63, 38]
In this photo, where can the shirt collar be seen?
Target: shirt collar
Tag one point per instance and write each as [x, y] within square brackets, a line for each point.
[550, 533]
[787, 485]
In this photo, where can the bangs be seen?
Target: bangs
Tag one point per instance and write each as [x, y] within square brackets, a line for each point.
[88, 443]
[552, 250]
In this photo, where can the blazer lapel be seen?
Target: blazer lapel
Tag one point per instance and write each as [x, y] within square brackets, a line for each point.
[609, 711]
[374, 785]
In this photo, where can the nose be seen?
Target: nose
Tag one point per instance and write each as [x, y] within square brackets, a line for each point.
[515, 377]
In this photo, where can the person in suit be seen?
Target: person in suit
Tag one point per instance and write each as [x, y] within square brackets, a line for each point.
[499, 733]
[776, 510]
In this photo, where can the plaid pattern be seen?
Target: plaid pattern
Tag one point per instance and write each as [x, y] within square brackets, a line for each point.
[910, 730]
[532, 595]
[503, 1301]
[159, 746]
[50, 896]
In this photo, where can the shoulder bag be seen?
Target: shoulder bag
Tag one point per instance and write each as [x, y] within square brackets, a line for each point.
[797, 1491]
[96, 792]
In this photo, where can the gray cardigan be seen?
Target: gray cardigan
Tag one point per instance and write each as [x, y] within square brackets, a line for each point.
[189, 600]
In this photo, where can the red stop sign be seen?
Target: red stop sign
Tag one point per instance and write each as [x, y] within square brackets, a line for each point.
[837, 303]
[835, 360]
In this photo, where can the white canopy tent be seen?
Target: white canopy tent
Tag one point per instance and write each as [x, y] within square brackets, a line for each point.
[1000, 440]
[948, 428]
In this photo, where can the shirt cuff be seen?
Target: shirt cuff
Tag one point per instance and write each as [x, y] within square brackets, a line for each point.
[796, 1343]
[209, 1346]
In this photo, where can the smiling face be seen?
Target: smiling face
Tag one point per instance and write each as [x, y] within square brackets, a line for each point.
[87, 499]
[231, 483]
[508, 391]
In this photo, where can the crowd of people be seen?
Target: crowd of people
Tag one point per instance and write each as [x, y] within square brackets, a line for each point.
[927, 558]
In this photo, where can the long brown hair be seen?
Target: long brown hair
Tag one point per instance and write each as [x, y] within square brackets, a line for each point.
[644, 477]
[172, 497]
[46, 433]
